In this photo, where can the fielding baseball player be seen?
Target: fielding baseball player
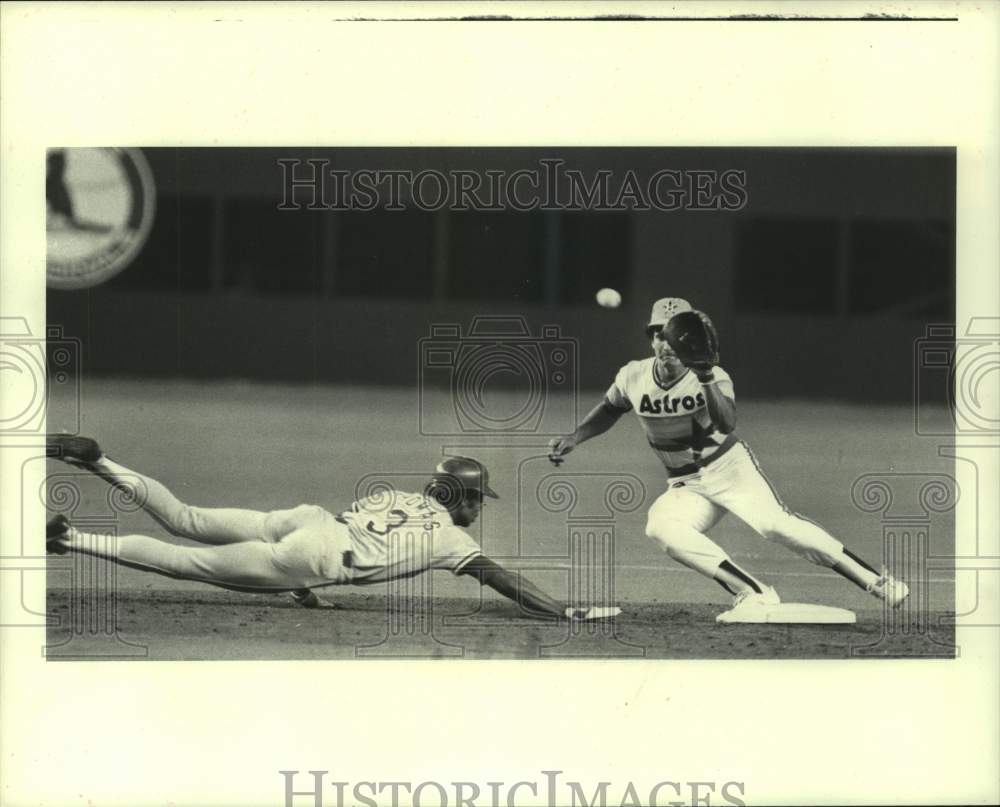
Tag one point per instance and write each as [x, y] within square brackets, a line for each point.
[687, 408]
[385, 536]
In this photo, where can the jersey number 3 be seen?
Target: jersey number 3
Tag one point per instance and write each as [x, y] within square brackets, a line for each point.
[397, 518]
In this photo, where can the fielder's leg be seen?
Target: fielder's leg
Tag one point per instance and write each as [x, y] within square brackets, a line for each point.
[739, 485]
[678, 520]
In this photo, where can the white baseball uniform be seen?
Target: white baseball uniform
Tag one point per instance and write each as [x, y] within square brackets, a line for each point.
[396, 534]
[709, 473]
[391, 535]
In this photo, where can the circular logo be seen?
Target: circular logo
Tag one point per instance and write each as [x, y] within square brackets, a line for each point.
[99, 205]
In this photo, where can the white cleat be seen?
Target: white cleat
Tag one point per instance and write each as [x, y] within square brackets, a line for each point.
[748, 604]
[890, 590]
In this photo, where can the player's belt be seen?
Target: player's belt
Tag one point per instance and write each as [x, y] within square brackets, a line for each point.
[697, 465]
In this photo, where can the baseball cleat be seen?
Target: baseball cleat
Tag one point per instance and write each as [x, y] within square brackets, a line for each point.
[748, 597]
[748, 601]
[83, 451]
[890, 590]
[57, 533]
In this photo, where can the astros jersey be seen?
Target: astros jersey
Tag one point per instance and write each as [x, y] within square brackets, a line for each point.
[397, 534]
[674, 416]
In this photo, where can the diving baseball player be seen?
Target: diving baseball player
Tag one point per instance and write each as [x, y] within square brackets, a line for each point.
[385, 536]
[686, 405]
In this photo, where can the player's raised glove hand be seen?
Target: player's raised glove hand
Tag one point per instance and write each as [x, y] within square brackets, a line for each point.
[560, 447]
[694, 340]
[594, 612]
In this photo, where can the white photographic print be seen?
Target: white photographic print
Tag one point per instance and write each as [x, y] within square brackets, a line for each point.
[499, 404]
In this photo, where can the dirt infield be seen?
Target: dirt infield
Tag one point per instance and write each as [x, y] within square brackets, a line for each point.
[170, 625]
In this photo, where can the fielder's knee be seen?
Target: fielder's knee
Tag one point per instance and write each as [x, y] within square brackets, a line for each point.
[661, 530]
[654, 530]
[686, 545]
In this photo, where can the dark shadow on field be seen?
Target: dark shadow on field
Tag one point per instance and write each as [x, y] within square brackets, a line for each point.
[227, 625]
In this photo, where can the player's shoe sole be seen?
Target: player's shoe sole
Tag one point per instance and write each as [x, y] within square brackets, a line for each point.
[74, 450]
[57, 535]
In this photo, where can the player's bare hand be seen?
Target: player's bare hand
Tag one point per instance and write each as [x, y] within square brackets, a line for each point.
[559, 447]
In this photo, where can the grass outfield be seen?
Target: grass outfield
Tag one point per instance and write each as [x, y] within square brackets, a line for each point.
[268, 446]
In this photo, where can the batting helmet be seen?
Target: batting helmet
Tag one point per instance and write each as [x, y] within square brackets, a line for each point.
[470, 474]
[664, 309]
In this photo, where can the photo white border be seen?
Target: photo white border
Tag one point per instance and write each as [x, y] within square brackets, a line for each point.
[273, 74]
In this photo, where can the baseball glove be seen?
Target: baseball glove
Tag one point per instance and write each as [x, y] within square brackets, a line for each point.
[692, 336]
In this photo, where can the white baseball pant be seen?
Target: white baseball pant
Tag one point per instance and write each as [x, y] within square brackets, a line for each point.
[734, 483]
[244, 549]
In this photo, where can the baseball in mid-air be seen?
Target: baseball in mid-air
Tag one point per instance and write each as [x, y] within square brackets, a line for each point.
[609, 298]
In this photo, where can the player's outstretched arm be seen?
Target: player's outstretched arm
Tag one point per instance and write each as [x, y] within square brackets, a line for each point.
[601, 418]
[525, 593]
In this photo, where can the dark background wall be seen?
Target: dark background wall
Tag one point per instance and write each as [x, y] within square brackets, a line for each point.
[819, 285]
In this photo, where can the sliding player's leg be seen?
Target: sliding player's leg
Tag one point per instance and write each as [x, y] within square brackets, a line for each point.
[207, 525]
[203, 524]
[315, 554]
